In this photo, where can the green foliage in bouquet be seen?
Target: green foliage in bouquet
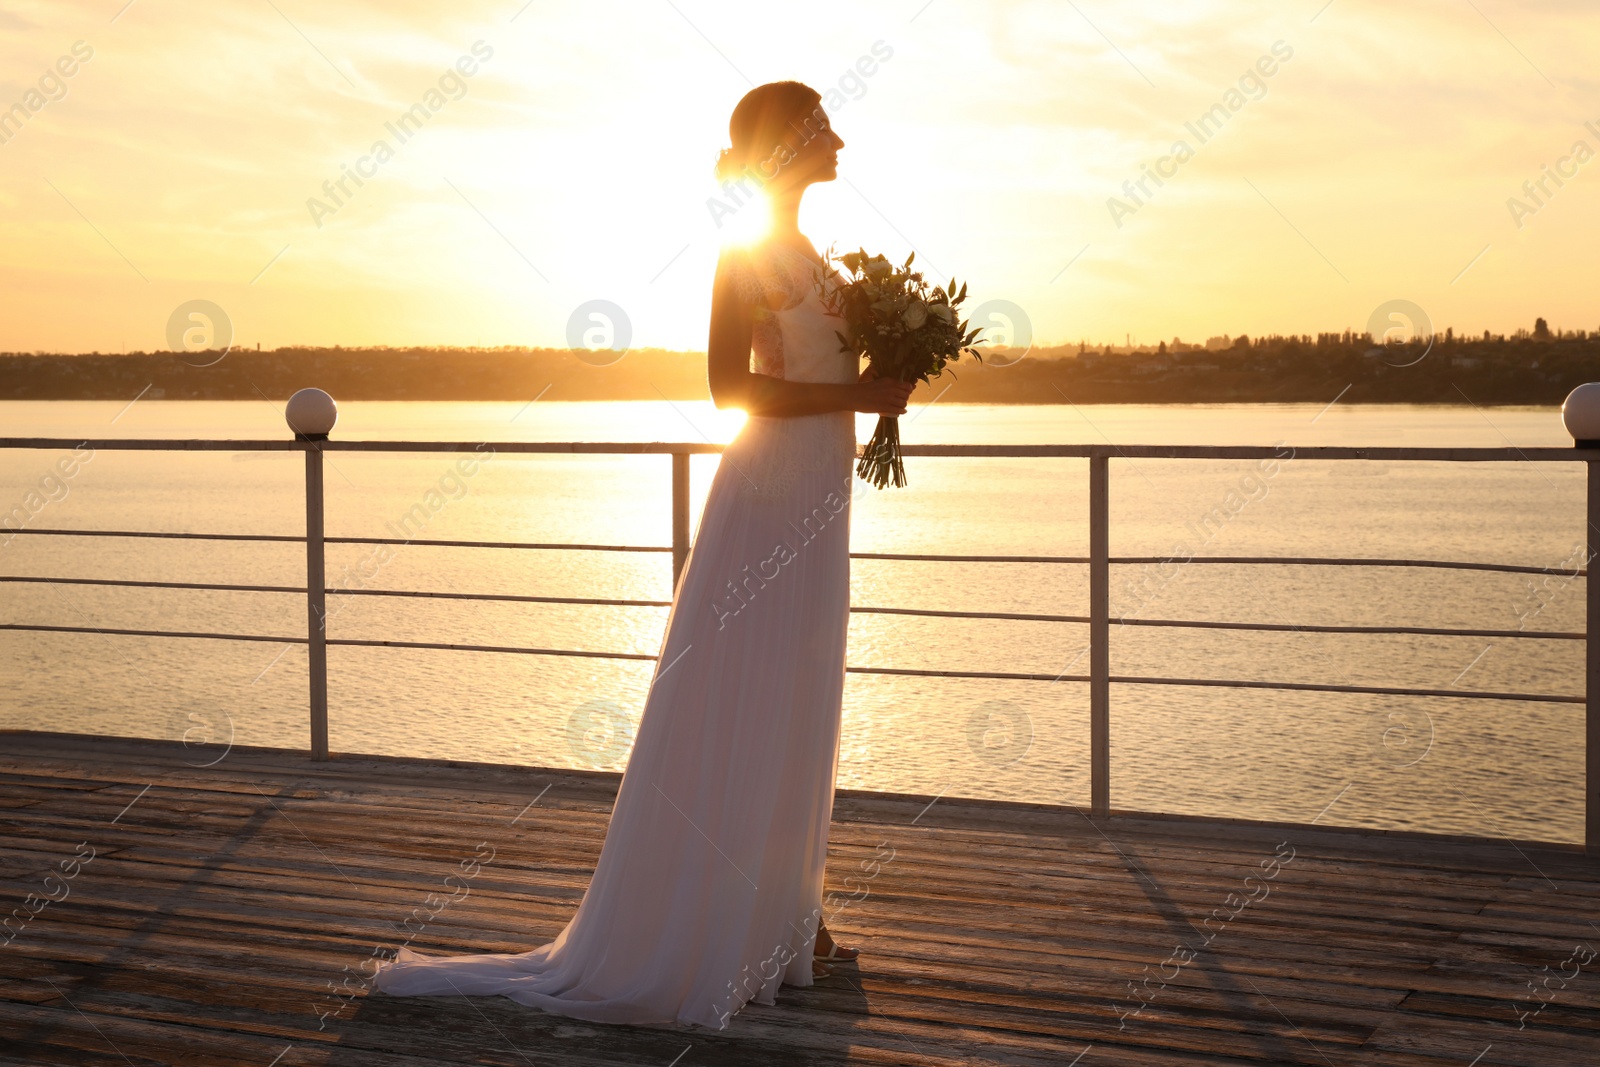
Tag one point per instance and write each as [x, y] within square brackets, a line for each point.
[907, 328]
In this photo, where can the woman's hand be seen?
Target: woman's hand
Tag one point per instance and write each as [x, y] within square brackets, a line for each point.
[881, 396]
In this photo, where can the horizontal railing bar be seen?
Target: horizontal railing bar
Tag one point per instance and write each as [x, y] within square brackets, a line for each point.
[1356, 561]
[128, 582]
[492, 648]
[941, 613]
[1369, 689]
[300, 590]
[158, 533]
[151, 633]
[345, 540]
[1430, 631]
[998, 616]
[934, 558]
[1423, 631]
[898, 671]
[1226, 683]
[1006, 676]
[621, 448]
[1540, 454]
[1311, 561]
[1545, 454]
[492, 544]
[508, 597]
[164, 444]
[617, 448]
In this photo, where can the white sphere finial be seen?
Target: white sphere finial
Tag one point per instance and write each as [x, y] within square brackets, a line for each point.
[311, 414]
[1581, 415]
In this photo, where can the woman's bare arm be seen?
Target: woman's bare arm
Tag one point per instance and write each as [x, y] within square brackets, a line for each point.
[735, 385]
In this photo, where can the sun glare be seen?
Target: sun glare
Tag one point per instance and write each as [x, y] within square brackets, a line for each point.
[729, 421]
[751, 218]
[450, 234]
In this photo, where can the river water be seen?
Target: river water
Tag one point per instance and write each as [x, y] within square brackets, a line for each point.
[1432, 763]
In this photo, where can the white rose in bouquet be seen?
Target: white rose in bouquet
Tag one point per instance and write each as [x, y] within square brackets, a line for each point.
[886, 312]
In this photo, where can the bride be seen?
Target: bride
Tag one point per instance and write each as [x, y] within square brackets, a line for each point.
[708, 890]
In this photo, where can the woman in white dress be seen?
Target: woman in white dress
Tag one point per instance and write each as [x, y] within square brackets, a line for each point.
[708, 890]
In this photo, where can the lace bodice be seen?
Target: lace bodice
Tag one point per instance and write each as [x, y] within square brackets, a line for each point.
[795, 338]
[794, 335]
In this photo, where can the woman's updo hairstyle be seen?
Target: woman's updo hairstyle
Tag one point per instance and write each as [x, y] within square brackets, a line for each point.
[762, 120]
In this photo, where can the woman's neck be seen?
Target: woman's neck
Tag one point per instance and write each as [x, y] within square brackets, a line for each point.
[786, 215]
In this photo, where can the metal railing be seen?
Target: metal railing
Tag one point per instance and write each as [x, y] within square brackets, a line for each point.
[1099, 561]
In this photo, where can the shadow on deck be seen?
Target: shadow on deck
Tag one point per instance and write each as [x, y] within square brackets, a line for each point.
[225, 907]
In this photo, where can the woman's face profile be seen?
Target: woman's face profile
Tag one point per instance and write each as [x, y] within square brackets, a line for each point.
[810, 153]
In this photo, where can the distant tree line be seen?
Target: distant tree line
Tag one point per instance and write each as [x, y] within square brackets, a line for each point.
[1537, 366]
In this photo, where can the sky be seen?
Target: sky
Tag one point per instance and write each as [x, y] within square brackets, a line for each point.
[185, 157]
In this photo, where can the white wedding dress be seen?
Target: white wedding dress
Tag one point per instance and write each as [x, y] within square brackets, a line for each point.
[708, 891]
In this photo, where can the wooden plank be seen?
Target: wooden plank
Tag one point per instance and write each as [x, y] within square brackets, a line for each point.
[997, 934]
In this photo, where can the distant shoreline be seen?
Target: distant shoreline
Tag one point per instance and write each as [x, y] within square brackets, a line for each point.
[917, 400]
[1498, 372]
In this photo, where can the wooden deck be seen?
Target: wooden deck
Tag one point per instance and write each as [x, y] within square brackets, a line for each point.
[225, 906]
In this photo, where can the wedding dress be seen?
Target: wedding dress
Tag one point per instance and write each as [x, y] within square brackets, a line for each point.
[708, 890]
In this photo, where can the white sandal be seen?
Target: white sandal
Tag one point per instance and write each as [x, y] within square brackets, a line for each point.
[836, 954]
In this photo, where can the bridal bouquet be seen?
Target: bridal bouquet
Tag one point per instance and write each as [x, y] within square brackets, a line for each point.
[908, 330]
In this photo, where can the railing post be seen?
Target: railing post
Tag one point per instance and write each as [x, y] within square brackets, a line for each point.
[680, 514]
[316, 603]
[311, 414]
[1591, 733]
[1099, 634]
